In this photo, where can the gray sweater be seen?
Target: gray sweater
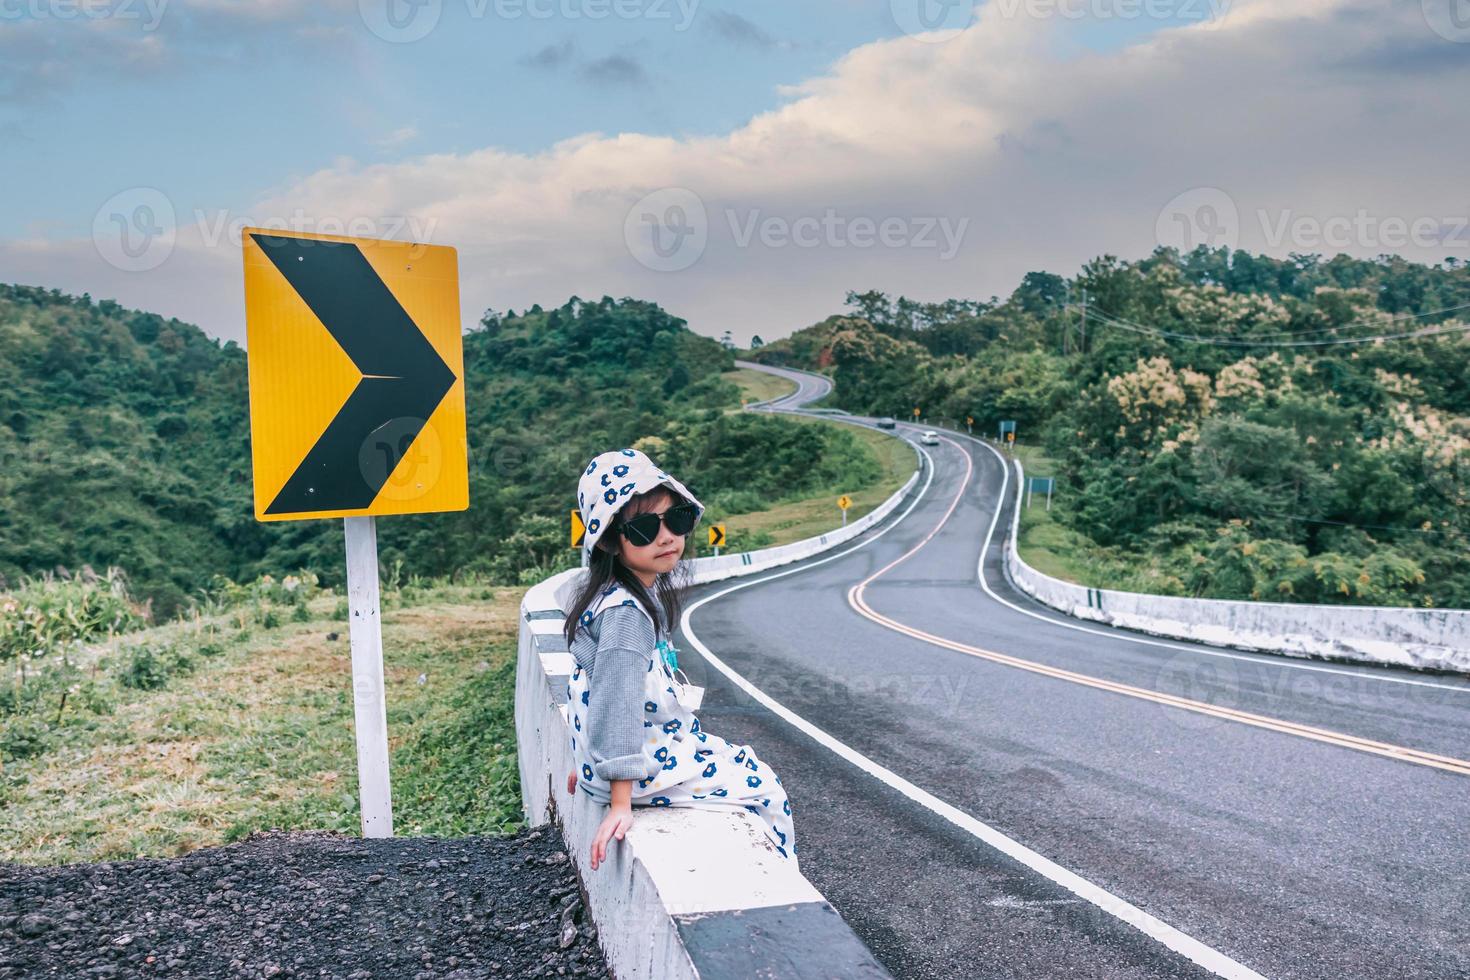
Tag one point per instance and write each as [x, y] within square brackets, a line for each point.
[614, 650]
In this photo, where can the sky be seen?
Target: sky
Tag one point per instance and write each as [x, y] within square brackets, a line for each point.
[744, 165]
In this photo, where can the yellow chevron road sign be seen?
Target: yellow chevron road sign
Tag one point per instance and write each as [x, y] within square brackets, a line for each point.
[357, 403]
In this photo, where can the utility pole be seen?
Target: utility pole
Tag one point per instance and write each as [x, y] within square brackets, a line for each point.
[1066, 326]
[1084, 321]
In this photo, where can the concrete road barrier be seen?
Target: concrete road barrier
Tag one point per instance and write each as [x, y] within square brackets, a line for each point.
[1425, 639]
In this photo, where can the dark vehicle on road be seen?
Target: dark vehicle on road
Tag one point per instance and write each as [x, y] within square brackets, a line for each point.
[885, 422]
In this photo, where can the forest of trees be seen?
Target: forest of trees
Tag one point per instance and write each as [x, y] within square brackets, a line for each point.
[1253, 427]
[126, 442]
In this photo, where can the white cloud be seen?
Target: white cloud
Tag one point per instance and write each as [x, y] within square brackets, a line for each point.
[1302, 110]
[399, 136]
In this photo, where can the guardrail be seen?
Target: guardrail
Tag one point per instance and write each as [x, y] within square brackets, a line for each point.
[1424, 639]
[687, 893]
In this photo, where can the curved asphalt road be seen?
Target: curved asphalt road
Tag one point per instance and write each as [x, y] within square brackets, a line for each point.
[809, 387]
[1282, 855]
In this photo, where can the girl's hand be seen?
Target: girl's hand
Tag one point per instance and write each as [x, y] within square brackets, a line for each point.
[572, 783]
[619, 821]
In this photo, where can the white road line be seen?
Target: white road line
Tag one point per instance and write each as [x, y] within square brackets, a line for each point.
[1263, 659]
[1206, 956]
[855, 599]
[1277, 660]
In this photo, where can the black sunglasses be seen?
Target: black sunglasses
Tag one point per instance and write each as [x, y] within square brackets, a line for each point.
[641, 530]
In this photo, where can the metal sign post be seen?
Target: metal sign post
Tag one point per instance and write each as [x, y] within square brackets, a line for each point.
[1047, 483]
[1008, 433]
[370, 707]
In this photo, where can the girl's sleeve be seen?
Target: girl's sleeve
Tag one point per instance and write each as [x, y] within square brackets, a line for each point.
[615, 730]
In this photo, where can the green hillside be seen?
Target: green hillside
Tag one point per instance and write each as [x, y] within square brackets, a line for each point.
[126, 443]
[1221, 424]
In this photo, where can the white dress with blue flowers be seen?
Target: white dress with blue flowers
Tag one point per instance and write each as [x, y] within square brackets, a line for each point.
[691, 767]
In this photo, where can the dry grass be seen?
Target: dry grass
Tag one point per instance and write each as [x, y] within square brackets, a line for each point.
[260, 735]
[758, 386]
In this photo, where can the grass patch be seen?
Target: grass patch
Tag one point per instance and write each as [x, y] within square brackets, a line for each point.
[819, 514]
[235, 730]
[1043, 543]
[758, 386]
[199, 731]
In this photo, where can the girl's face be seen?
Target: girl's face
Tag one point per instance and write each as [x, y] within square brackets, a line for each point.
[660, 555]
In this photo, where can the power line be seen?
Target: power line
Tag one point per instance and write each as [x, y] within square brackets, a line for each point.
[1366, 323]
[1293, 334]
[1117, 321]
[1376, 527]
[1123, 324]
[1216, 341]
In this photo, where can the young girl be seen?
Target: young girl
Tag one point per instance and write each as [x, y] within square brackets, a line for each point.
[633, 742]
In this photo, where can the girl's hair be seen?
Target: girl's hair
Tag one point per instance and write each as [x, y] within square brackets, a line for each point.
[604, 566]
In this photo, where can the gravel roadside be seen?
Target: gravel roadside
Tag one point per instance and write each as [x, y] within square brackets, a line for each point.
[307, 904]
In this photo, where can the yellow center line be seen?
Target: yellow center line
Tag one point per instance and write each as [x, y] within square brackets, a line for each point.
[1386, 749]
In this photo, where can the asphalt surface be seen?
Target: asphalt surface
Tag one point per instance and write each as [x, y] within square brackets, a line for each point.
[1290, 856]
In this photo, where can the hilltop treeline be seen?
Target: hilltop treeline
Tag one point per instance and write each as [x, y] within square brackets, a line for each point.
[1239, 426]
[125, 438]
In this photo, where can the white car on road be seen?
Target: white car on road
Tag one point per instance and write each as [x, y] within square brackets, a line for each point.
[929, 438]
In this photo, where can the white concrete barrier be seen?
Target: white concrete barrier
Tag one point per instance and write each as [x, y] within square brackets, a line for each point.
[687, 893]
[1425, 639]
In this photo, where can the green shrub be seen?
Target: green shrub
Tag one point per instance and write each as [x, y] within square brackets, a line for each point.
[143, 671]
[91, 696]
[23, 737]
[46, 613]
[739, 502]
